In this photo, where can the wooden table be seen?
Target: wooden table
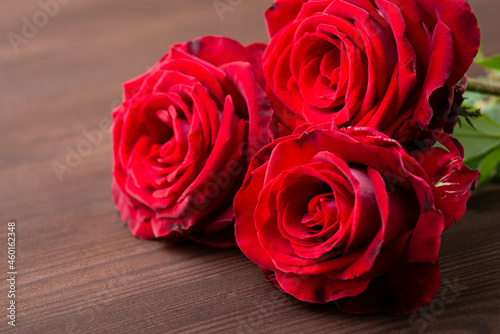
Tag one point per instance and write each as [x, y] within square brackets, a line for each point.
[78, 267]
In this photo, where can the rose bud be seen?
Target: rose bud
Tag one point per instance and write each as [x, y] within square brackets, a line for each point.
[352, 218]
[397, 66]
[183, 137]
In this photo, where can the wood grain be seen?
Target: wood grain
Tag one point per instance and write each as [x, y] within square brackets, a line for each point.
[79, 268]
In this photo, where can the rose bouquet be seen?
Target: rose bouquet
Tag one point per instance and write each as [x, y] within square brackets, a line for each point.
[325, 156]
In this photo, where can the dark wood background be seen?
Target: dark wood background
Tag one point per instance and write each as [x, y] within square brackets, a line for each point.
[80, 269]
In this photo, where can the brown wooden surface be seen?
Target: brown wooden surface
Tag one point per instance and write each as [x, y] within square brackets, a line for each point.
[80, 269]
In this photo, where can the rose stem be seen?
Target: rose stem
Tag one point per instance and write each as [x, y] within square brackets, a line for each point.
[484, 87]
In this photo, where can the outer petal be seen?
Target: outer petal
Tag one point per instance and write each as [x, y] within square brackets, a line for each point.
[319, 289]
[281, 13]
[458, 17]
[453, 180]
[245, 203]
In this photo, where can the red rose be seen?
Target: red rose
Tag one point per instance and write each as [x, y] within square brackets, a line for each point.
[183, 138]
[352, 217]
[396, 66]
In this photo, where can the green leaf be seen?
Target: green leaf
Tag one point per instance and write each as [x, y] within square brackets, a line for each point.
[481, 140]
[471, 98]
[492, 110]
[489, 166]
[468, 114]
[489, 105]
[473, 163]
[492, 63]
